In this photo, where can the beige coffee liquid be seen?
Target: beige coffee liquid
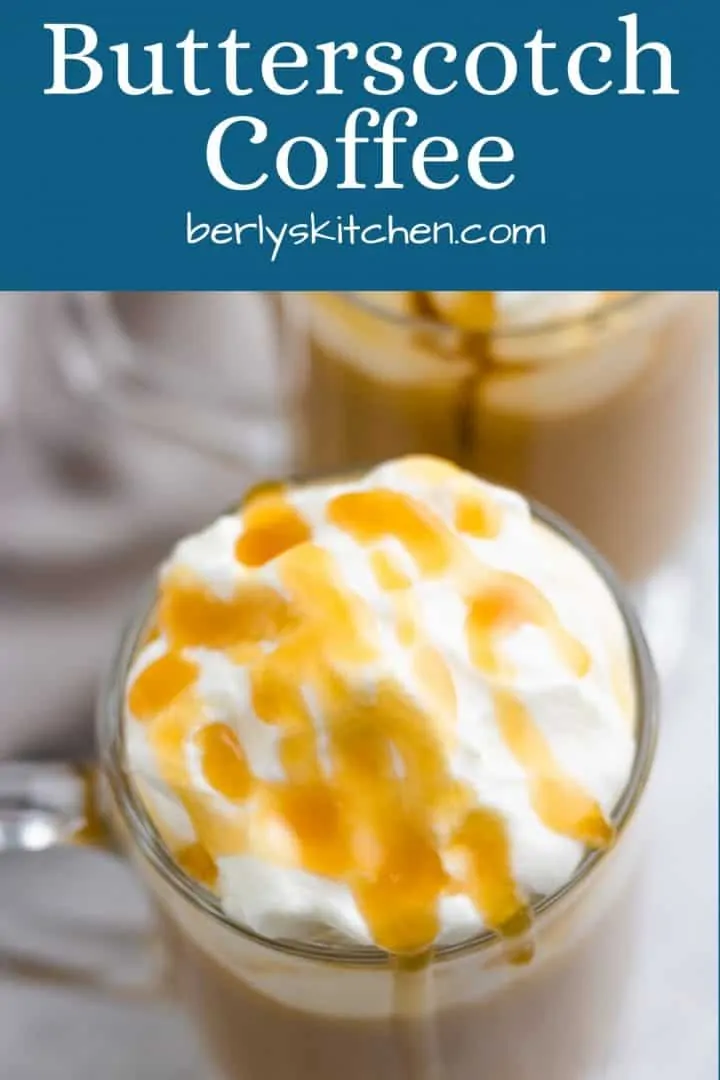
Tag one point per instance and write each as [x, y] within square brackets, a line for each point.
[606, 421]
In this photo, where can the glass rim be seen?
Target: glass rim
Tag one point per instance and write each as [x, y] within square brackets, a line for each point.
[110, 717]
[597, 314]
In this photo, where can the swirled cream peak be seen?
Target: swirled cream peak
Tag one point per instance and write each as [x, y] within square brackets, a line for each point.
[393, 709]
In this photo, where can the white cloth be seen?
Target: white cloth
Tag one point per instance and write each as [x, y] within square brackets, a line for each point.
[89, 502]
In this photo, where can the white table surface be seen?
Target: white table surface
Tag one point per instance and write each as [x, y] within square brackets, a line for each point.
[85, 907]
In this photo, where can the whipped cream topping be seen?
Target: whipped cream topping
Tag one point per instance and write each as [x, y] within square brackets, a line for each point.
[521, 308]
[498, 311]
[391, 710]
[525, 354]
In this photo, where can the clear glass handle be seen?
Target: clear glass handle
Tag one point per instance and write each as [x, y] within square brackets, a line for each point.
[46, 805]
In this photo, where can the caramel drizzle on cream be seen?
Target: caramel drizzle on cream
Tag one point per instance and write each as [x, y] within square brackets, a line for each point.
[367, 809]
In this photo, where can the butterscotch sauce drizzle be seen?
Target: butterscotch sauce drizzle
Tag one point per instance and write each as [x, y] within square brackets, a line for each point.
[472, 315]
[502, 604]
[157, 686]
[388, 574]
[465, 333]
[558, 800]
[370, 516]
[224, 765]
[375, 806]
[194, 860]
[477, 517]
[271, 525]
[489, 879]
[421, 305]
[93, 830]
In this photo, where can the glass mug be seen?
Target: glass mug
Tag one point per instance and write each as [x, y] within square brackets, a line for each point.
[606, 417]
[275, 1010]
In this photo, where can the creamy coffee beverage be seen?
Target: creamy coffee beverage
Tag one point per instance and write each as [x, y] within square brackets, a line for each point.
[381, 723]
[599, 405]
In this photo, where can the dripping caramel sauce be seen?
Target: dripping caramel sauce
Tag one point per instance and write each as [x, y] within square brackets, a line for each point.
[93, 830]
[372, 820]
[413, 1015]
[466, 331]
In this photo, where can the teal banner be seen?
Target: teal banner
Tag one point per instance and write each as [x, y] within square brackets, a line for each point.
[151, 145]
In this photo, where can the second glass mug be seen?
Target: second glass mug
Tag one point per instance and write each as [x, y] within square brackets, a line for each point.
[605, 417]
[274, 1010]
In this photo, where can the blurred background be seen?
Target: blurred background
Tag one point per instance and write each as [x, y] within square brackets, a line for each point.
[128, 419]
[92, 498]
[94, 487]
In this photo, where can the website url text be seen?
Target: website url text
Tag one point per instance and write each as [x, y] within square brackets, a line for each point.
[348, 230]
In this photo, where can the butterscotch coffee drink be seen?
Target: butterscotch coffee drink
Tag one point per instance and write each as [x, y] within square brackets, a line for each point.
[597, 404]
[388, 727]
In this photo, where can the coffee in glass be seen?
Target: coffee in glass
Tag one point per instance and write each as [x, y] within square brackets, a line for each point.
[599, 405]
[381, 739]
